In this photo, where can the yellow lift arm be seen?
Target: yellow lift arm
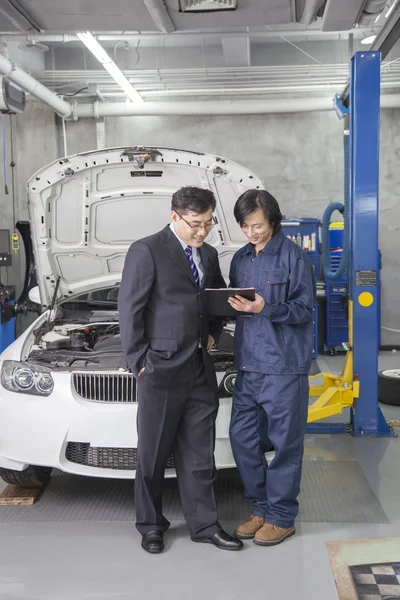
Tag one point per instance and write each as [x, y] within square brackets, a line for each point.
[337, 391]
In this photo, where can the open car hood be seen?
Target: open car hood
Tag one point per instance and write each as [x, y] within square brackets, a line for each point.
[87, 209]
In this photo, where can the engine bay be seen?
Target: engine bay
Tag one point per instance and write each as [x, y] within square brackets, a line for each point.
[89, 345]
[98, 345]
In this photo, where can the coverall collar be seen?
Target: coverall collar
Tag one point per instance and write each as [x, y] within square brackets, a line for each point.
[271, 248]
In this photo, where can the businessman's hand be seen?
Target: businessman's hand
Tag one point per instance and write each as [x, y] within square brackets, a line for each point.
[141, 371]
[210, 343]
[243, 305]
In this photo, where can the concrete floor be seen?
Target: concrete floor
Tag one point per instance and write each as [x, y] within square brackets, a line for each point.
[104, 561]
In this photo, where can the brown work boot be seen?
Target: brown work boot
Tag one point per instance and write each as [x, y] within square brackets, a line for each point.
[247, 530]
[271, 535]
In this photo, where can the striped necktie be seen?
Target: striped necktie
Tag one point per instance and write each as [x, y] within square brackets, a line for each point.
[189, 254]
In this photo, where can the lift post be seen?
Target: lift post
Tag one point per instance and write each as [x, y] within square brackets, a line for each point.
[364, 276]
[357, 386]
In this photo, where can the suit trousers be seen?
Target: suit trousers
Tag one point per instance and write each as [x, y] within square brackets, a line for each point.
[180, 418]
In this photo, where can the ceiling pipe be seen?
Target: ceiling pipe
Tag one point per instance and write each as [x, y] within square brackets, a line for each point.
[110, 109]
[65, 38]
[282, 105]
[160, 16]
[383, 42]
[33, 87]
[311, 11]
[390, 101]
[122, 109]
[18, 17]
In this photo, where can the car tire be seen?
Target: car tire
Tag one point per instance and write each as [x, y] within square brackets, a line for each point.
[31, 476]
[389, 387]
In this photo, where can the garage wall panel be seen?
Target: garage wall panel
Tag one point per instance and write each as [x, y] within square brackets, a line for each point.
[300, 159]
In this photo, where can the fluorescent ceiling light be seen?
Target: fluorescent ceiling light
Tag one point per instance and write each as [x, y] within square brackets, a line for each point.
[98, 51]
[368, 40]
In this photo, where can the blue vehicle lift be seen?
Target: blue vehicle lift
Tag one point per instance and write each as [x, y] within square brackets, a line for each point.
[357, 387]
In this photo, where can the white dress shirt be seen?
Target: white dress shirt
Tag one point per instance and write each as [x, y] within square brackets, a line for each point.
[195, 252]
[196, 257]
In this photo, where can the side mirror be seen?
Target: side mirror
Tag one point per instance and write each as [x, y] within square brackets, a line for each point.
[34, 295]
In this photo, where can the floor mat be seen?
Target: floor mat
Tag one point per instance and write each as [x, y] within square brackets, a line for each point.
[332, 492]
[367, 569]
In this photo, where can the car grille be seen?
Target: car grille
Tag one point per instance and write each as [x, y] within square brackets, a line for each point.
[121, 459]
[105, 387]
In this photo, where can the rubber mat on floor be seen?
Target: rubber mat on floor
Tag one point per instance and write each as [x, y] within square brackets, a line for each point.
[332, 492]
[366, 569]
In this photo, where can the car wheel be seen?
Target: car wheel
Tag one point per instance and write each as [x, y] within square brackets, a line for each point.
[31, 476]
[389, 387]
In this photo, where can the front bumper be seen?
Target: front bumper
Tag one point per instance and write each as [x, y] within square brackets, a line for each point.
[82, 437]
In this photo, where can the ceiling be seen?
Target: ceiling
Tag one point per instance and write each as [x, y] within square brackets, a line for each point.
[263, 48]
[138, 15]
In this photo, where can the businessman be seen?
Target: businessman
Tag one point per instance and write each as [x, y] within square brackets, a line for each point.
[166, 337]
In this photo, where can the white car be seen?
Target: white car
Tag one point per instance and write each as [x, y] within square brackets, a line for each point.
[67, 397]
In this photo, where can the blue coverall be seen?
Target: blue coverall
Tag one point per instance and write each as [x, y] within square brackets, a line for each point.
[273, 353]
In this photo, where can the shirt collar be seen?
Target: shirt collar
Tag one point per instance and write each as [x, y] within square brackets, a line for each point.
[271, 248]
[182, 243]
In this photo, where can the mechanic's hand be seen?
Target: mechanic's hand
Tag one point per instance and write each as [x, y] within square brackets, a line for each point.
[210, 343]
[141, 371]
[243, 305]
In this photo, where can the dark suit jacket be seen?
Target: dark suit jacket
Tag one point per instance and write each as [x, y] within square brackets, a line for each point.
[162, 313]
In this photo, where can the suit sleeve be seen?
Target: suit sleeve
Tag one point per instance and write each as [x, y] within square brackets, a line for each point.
[136, 283]
[299, 305]
[216, 323]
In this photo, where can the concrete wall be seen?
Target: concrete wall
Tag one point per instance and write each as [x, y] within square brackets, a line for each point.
[299, 157]
[34, 137]
[389, 224]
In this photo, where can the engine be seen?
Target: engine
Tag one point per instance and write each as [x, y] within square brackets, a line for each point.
[109, 342]
[98, 346]
[81, 346]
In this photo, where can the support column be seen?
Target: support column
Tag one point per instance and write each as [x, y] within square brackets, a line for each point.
[364, 219]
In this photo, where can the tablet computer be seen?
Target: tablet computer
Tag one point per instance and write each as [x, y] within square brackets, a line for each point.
[218, 305]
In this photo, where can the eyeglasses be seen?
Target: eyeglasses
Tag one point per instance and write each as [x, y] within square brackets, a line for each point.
[207, 226]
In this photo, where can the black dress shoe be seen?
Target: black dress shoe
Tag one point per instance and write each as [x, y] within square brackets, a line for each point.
[224, 541]
[153, 542]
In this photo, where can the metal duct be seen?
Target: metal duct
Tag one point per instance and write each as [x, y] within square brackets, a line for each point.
[371, 10]
[283, 105]
[34, 87]
[341, 15]
[261, 32]
[159, 13]
[124, 109]
[310, 11]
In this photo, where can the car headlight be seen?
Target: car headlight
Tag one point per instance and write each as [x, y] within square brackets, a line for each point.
[26, 378]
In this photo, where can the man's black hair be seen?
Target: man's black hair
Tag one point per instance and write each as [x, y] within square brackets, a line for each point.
[193, 199]
[252, 200]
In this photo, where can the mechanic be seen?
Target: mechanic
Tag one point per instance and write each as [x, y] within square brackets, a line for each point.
[273, 352]
[166, 336]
